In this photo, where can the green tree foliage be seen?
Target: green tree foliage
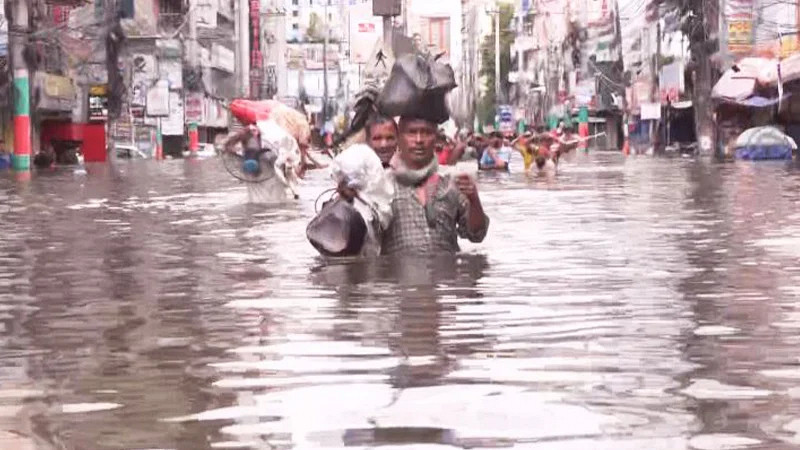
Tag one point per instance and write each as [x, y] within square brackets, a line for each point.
[314, 32]
[487, 105]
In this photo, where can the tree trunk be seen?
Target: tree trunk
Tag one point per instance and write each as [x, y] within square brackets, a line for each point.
[705, 79]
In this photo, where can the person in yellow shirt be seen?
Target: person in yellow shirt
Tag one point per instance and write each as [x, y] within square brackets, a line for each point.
[523, 144]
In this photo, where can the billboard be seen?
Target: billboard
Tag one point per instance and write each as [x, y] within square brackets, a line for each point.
[365, 31]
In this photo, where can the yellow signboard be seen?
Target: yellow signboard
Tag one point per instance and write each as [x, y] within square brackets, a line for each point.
[740, 35]
[789, 46]
[98, 90]
[59, 87]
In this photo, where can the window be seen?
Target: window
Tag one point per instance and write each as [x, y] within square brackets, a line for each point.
[170, 7]
[295, 13]
[295, 26]
[295, 2]
[435, 32]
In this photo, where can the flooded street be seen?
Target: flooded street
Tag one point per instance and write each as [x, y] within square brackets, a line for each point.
[628, 304]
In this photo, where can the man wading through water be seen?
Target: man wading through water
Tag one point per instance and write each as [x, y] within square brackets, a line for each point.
[430, 211]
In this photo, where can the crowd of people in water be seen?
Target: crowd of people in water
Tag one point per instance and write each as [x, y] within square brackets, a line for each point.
[493, 151]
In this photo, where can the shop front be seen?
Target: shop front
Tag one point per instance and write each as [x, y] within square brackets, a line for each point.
[54, 98]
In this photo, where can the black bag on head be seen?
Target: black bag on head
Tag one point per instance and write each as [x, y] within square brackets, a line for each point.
[338, 230]
[417, 88]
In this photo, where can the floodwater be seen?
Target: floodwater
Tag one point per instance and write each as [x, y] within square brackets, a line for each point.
[626, 304]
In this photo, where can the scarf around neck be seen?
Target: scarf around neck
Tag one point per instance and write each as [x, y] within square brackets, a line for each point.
[406, 176]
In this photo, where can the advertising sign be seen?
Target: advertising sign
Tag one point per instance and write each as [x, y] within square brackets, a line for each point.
[740, 34]
[222, 58]
[365, 31]
[98, 103]
[194, 106]
[506, 118]
[158, 100]
[173, 124]
[671, 82]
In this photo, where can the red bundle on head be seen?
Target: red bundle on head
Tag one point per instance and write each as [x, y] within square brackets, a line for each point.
[251, 111]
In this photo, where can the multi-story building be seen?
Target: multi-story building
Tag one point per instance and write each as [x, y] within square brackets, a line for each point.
[98, 55]
[158, 49]
[568, 58]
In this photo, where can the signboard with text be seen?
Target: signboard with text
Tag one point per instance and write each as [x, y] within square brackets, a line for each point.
[172, 125]
[365, 31]
[740, 34]
[98, 103]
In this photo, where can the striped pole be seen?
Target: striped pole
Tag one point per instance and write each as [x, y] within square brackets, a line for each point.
[21, 158]
[194, 137]
[159, 142]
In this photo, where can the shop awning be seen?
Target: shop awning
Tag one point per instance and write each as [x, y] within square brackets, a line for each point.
[739, 82]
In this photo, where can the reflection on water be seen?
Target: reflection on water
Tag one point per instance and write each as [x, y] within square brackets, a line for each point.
[625, 304]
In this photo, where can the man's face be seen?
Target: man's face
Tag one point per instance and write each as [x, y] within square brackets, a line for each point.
[383, 140]
[416, 143]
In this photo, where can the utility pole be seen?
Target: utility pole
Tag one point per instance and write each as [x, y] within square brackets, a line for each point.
[193, 57]
[327, 30]
[388, 33]
[21, 160]
[495, 12]
[618, 40]
[497, 89]
[656, 78]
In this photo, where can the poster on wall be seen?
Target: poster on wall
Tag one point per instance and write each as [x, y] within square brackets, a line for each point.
[158, 97]
[172, 71]
[173, 124]
[194, 107]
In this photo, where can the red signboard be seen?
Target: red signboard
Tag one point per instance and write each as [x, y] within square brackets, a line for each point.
[366, 28]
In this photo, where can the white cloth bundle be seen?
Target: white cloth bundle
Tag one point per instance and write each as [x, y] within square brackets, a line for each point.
[359, 168]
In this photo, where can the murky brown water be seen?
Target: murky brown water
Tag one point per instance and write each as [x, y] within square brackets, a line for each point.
[628, 304]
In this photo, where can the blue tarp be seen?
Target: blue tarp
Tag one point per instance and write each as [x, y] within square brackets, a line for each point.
[757, 101]
[764, 152]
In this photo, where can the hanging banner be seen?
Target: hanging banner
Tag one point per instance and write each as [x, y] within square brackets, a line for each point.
[256, 66]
